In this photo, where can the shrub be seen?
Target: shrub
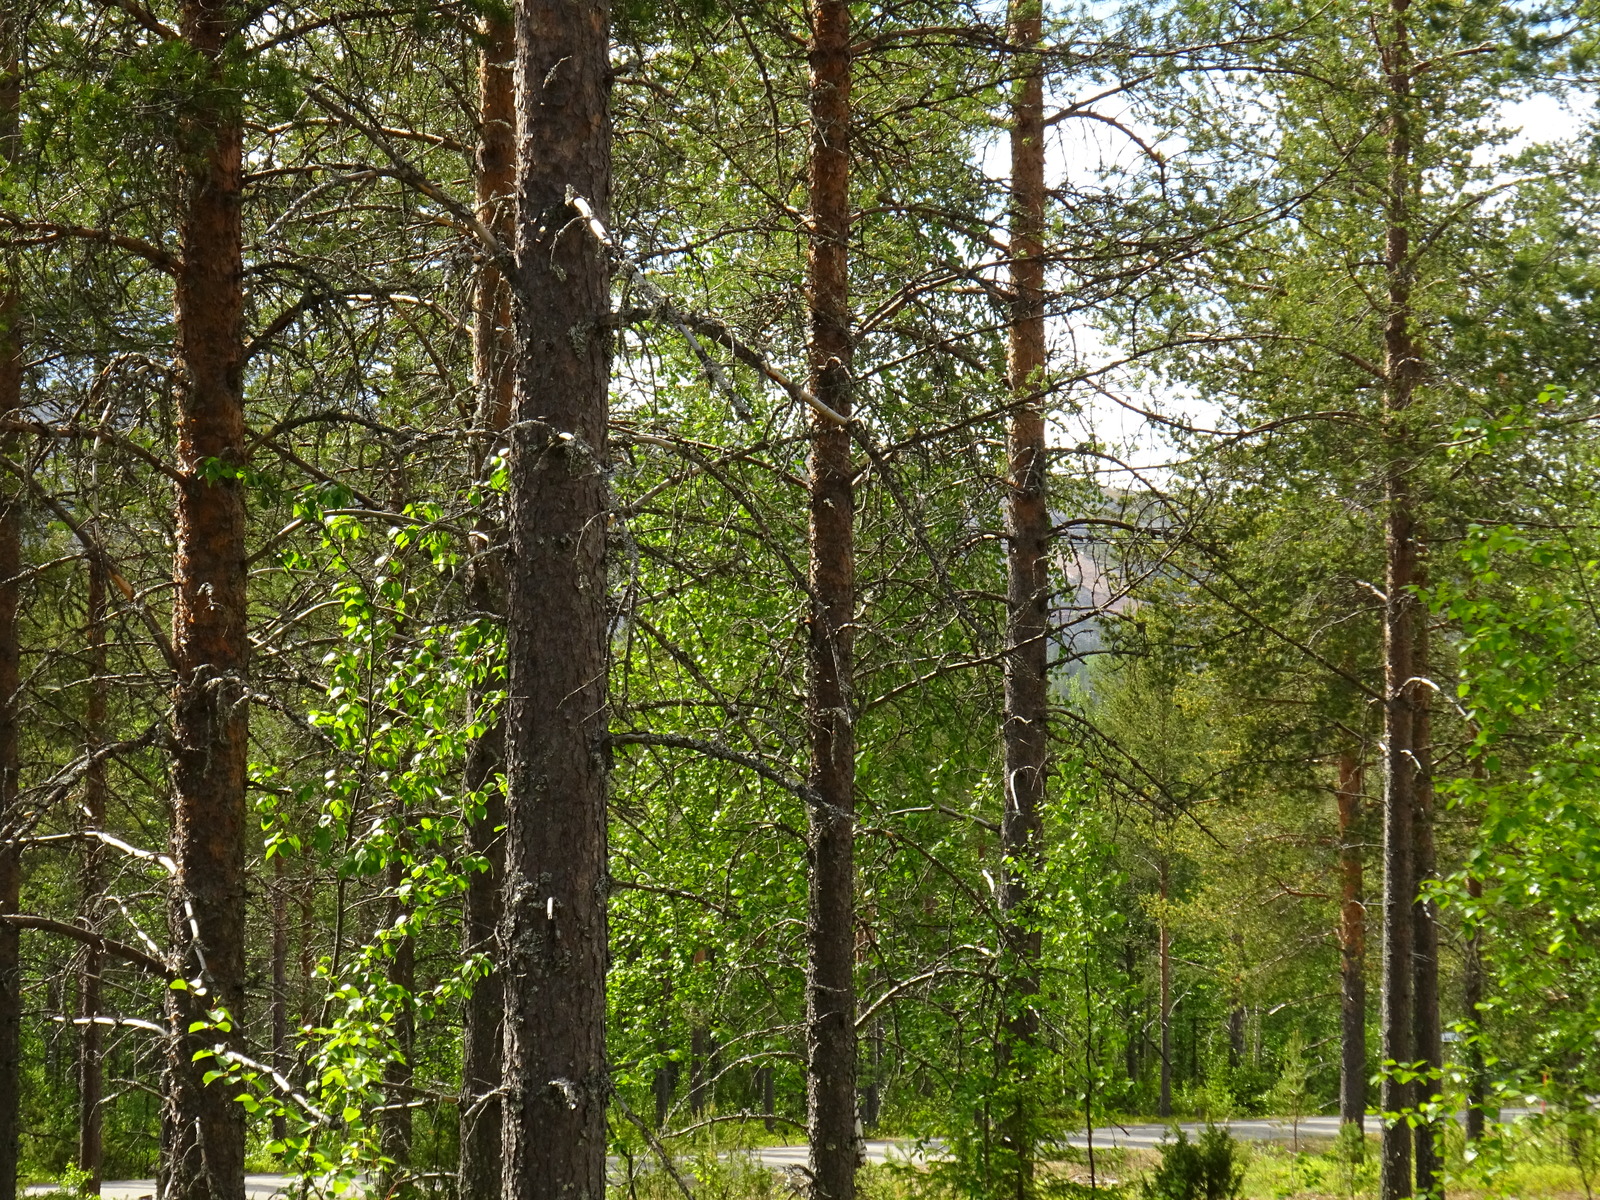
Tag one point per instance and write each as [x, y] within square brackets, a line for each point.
[1208, 1169]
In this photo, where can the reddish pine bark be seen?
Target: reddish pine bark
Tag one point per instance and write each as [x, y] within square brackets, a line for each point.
[830, 911]
[205, 1127]
[1027, 684]
[478, 1168]
[554, 927]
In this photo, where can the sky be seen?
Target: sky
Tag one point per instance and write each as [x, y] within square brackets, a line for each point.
[1080, 150]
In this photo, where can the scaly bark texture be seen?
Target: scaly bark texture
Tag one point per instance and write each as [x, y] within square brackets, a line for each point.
[91, 1071]
[1027, 691]
[1402, 367]
[494, 371]
[1427, 1034]
[10, 671]
[830, 709]
[553, 934]
[1352, 947]
[205, 1158]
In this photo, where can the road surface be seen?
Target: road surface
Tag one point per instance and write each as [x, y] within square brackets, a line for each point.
[1131, 1137]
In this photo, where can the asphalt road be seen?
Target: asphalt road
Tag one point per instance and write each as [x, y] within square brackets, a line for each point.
[1252, 1129]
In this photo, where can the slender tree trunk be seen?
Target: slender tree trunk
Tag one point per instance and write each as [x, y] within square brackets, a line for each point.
[872, 1094]
[395, 1127]
[1427, 1044]
[282, 1058]
[210, 643]
[1130, 1048]
[1472, 998]
[11, 19]
[1027, 688]
[553, 932]
[1164, 968]
[699, 1062]
[1352, 947]
[767, 1099]
[91, 1073]
[494, 370]
[1236, 1013]
[1402, 368]
[666, 1074]
[830, 712]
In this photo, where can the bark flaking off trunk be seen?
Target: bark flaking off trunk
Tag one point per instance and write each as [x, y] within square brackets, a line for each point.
[553, 931]
[830, 915]
[211, 648]
[1352, 947]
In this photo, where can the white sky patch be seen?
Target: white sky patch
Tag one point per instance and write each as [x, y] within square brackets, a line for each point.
[1081, 152]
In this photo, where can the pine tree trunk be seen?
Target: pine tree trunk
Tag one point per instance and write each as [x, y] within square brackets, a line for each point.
[281, 1056]
[699, 1060]
[1027, 692]
[830, 917]
[1164, 968]
[494, 371]
[1427, 1043]
[10, 671]
[395, 1127]
[210, 643]
[1472, 997]
[553, 932]
[1401, 367]
[91, 1071]
[1352, 947]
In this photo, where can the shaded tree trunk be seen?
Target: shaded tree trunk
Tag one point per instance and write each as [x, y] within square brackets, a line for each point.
[1164, 969]
[11, 19]
[494, 371]
[494, 368]
[666, 1074]
[1427, 1039]
[1402, 369]
[1352, 947]
[205, 1160]
[767, 1098]
[553, 931]
[830, 915]
[1472, 998]
[91, 1072]
[872, 1094]
[282, 1059]
[699, 1064]
[396, 1125]
[1027, 687]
